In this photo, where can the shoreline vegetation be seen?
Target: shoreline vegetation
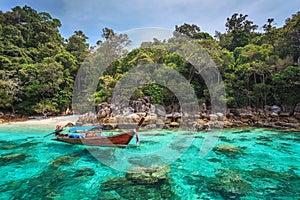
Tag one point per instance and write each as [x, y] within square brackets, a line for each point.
[38, 68]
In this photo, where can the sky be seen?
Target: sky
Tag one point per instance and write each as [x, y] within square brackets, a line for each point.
[155, 18]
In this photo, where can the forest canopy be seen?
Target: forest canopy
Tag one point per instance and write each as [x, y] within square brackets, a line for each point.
[38, 66]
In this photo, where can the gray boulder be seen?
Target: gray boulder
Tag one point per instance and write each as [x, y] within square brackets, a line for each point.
[275, 109]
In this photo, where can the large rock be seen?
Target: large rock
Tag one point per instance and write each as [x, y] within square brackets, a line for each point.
[217, 125]
[110, 120]
[275, 109]
[228, 124]
[104, 110]
[213, 117]
[201, 122]
[206, 126]
[274, 115]
[284, 114]
[197, 127]
[108, 126]
[221, 116]
[246, 115]
[151, 118]
[237, 112]
[292, 120]
[89, 118]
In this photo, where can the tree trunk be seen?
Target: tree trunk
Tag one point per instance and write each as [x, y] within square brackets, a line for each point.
[13, 109]
[264, 91]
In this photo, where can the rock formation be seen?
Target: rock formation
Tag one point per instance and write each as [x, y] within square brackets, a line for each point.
[121, 117]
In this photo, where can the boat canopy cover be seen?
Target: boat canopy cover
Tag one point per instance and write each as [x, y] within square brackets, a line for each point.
[85, 128]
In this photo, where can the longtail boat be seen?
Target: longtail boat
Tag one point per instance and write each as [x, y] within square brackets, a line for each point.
[91, 138]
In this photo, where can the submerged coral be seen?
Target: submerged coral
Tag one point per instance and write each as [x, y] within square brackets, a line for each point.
[152, 175]
[12, 158]
[228, 150]
[63, 160]
[229, 184]
[147, 161]
[85, 171]
[284, 184]
[140, 183]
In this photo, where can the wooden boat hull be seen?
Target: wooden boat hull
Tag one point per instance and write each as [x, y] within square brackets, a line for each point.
[122, 139]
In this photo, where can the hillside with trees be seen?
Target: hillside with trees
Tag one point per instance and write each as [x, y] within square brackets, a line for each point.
[38, 66]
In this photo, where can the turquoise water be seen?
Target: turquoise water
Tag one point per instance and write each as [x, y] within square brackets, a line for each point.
[243, 164]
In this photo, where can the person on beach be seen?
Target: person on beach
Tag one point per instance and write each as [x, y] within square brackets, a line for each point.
[58, 131]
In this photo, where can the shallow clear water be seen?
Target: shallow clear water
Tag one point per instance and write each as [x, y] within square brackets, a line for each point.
[244, 164]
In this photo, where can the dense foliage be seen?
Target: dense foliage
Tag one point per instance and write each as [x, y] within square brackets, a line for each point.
[38, 66]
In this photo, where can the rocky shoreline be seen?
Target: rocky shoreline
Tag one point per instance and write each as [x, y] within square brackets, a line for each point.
[9, 118]
[160, 118]
[202, 123]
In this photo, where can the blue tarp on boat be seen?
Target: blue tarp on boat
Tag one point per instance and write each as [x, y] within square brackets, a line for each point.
[85, 128]
[74, 136]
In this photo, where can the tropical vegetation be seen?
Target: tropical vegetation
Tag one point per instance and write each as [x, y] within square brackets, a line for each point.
[38, 67]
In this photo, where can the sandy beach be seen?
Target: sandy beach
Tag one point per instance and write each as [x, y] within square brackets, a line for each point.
[52, 121]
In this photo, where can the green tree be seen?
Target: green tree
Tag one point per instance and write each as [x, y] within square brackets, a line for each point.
[37, 61]
[287, 86]
[254, 71]
[187, 29]
[192, 31]
[239, 32]
[46, 107]
[10, 88]
[290, 37]
[77, 45]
